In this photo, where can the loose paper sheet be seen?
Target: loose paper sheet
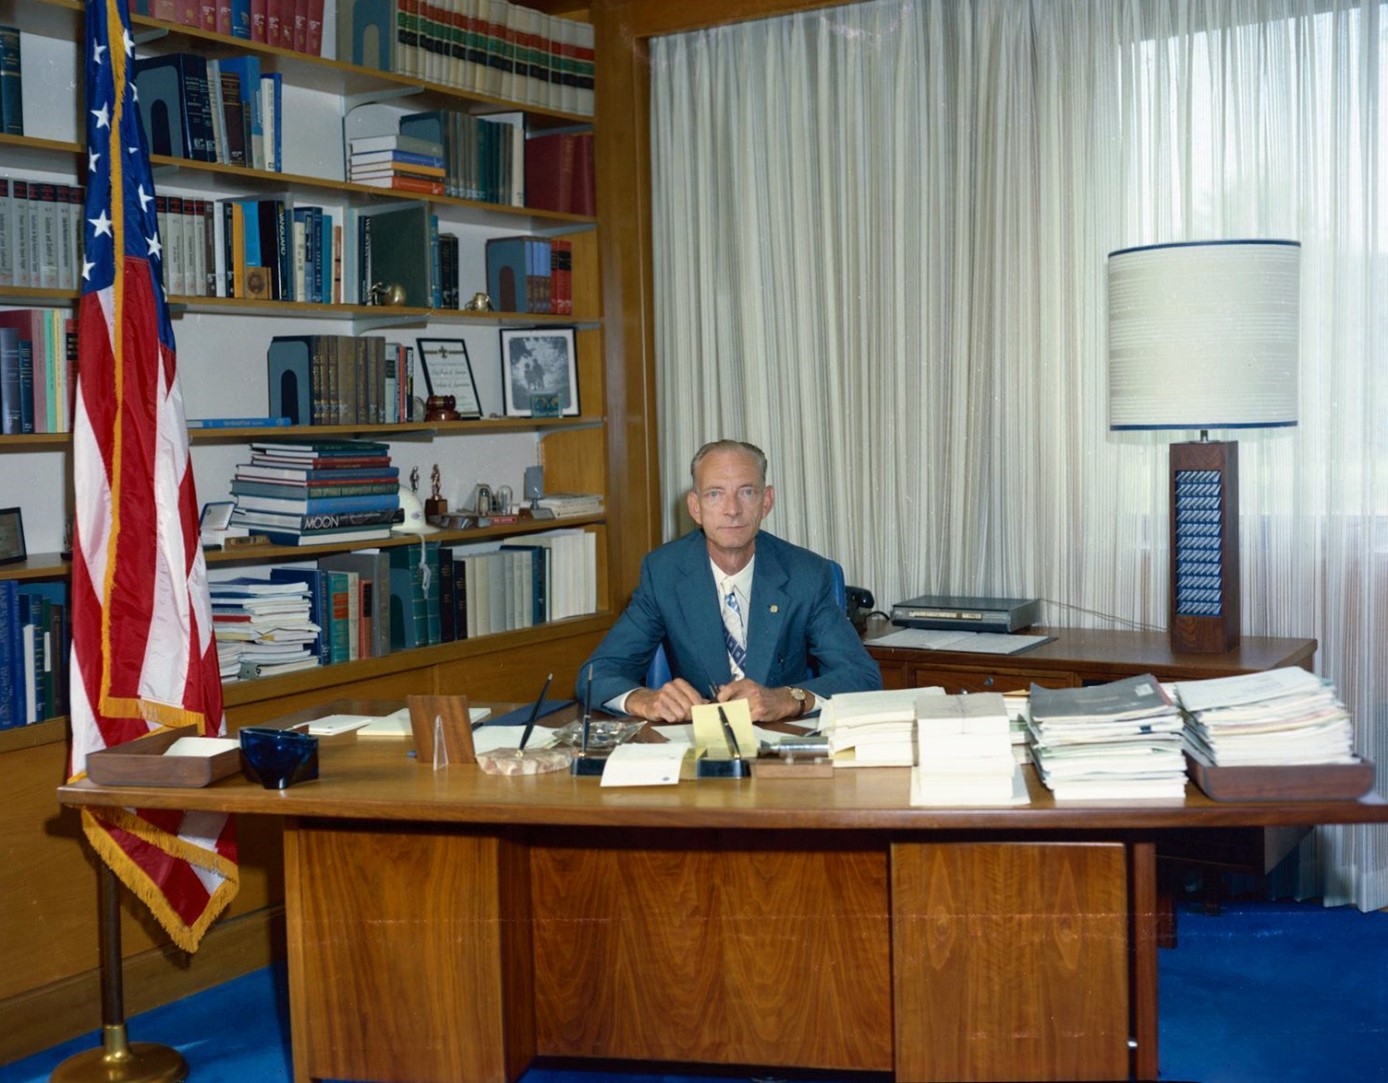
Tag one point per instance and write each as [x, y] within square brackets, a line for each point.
[644, 765]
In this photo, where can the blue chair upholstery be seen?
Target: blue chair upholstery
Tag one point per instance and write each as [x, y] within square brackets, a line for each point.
[658, 672]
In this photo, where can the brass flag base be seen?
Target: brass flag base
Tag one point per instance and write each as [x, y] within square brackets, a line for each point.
[119, 1061]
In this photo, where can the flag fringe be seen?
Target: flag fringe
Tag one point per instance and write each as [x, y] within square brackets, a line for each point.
[165, 714]
[95, 824]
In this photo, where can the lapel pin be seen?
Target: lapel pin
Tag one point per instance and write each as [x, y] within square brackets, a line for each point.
[775, 609]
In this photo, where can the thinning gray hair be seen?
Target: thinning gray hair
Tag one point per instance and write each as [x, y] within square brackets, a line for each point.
[757, 454]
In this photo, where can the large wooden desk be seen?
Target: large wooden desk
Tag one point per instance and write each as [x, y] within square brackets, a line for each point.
[452, 925]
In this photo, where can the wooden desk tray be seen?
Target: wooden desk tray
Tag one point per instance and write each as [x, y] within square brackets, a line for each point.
[1303, 782]
[142, 762]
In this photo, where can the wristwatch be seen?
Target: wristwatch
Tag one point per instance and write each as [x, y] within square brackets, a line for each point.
[801, 697]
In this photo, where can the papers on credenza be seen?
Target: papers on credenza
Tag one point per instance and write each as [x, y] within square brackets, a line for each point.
[923, 639]
[395, 724]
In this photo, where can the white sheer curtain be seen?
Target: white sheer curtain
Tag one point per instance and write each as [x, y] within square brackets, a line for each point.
[880, 238]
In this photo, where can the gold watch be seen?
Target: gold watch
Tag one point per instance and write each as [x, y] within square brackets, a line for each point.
[802, 698]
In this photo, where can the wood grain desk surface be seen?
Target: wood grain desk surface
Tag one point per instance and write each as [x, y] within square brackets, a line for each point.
[375, 778]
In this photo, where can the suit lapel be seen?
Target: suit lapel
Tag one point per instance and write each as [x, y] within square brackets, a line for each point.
[769, 606]
[697, 597]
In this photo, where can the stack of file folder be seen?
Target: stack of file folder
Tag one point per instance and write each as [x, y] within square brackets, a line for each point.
[964, 752]
[1116, 741]
[873, 729]
[1278, 717]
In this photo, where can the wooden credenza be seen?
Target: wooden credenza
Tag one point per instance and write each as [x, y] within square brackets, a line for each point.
[1076, 657]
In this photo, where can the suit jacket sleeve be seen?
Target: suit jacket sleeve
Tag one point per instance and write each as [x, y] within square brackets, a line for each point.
[837, 656]
[622, 658]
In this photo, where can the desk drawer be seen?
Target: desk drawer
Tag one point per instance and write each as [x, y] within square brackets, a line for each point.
[954, 679]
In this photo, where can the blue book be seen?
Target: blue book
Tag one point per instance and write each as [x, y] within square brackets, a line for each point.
[11, 659]
[321, 505]
[247, 69]
[237, 422]
[26, 385]
[56, 644]
[241, 19]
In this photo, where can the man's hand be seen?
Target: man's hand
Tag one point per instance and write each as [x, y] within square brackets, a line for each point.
[672, 702]
[766, 704]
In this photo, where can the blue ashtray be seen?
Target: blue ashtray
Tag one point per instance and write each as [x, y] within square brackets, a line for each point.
[278, 758]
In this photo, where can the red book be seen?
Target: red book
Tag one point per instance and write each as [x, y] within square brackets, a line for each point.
[549, 170]
[260, 18]
[207, 15]
[313, 29]
[299, 27]
[584, 198]
[274, 11]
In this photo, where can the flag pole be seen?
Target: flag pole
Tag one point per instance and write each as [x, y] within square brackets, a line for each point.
[117, 1060]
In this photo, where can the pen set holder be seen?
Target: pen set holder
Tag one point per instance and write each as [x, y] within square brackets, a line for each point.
[589, 764]
[724, 766]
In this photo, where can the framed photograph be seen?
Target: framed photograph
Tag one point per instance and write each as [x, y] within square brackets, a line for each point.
[11, 535]
[539, 370]
[448, 371]
[216, 515]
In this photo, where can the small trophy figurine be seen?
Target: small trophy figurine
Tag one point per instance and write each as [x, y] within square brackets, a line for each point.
[436, 507]
[414, 479]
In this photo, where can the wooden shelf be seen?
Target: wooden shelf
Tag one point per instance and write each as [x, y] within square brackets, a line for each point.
[240, 693]
[50, 731]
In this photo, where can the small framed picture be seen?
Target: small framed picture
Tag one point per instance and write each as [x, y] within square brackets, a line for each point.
[216, 515]
[539, 368]
[11, 535]
[448, 371]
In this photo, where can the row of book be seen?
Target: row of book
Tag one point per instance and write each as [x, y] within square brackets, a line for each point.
[38, 370]
[349, 606]
[339, 380]
[34, 638]
[489, 47]
[288, 24]
[11, 82]
[224, 110]
[314, 492]
[483, 158]
[40, 234]
[530, 274]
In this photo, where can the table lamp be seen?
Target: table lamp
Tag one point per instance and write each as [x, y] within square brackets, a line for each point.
[1203, 335]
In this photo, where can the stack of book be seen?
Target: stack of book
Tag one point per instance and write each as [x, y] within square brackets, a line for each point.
[262, 627]
[873, 729]
[1278, 717]
[317, 492]
[1115, 741]
[568, 505]
[964, 752]
[397, 161]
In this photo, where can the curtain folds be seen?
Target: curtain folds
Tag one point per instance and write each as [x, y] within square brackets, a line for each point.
[880, 235]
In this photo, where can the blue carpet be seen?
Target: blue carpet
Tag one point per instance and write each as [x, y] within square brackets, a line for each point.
[1263, 993]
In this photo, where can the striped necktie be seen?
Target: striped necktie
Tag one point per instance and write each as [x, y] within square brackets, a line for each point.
[734, 630]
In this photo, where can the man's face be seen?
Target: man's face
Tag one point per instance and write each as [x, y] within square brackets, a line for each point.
[729, 501]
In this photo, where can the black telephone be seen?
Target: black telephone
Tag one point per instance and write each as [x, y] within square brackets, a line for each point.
[860, 606]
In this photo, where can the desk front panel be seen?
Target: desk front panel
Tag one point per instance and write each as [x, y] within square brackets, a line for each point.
[714, 948]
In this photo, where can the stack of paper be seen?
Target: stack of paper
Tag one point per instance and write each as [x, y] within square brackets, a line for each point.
[1116, 741]
[872, 729]
[262, 627]
[1018, 704]
[1281, 716]
[964, 752]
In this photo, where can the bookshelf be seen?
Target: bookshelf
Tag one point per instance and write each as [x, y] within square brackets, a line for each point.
[221, 350]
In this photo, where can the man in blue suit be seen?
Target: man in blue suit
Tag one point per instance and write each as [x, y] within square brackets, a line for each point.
[742, 614]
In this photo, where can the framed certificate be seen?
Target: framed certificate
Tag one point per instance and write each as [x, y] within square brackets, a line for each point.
[448, 371]
[11, 535]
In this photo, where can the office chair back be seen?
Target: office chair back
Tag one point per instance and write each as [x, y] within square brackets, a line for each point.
[658, 672]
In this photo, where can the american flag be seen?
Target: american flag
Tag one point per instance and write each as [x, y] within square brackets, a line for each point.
[143, 654]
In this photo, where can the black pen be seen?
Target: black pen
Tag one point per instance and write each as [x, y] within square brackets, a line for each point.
[587, 711]
[729, 734]
[534, 714]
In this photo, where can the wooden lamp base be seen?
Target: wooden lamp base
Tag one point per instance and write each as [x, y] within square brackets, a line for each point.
[1203, 613]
